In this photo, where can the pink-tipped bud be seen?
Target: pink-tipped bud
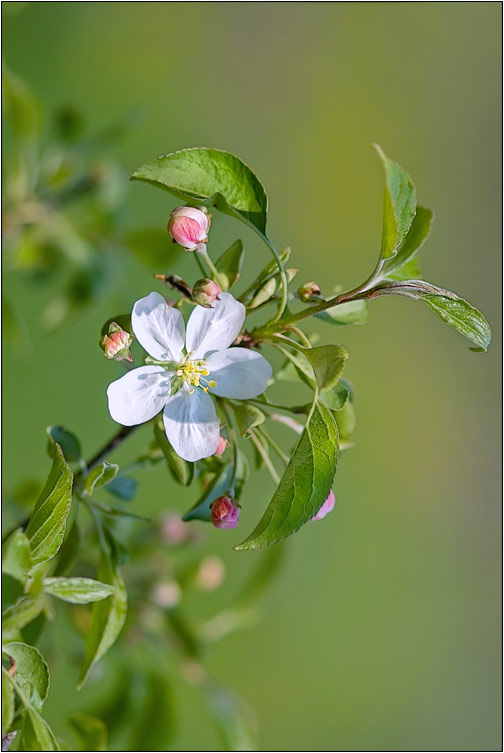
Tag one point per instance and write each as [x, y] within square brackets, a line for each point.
[308, 291]
[326, 508]
[116, 343]
[221, 446]
[205, 292]
[225, 513]
[189, 227]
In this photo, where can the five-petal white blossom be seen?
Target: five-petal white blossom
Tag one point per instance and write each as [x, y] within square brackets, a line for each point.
[208, 365]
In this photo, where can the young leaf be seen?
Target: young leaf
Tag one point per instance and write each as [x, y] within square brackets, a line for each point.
[77, 590]
[229, 265]
[346, 420]
[100, 476]
[20, 614]
[47, 524]
[68, 442]
[211, 177]
[31, 672]
[91, 730]
[247, 416]
[181, 470]
[16, 558]
[69, 550]
[108, 615]
[336, 397]
[265, 292]
[352, 312]
[305, 484]
[217, 487]
[123, 487]
[328, 363]
[401, 266]
[269, 271]
[36, 734]
[463, 317]
[453, 310]
[399, 205]
[7, 702]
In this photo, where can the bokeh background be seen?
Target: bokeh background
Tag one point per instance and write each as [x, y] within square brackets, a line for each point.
[382, 630]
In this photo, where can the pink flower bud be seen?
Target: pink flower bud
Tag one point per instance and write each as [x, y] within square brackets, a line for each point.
[309, 289]
[116, 343]
[221, 446]
[189, 227]
[326, 507]
[205, 292]
[225, 513]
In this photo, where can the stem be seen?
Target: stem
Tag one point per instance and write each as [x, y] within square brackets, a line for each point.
[281, 454]
[301, 335]
[262, 452]
[234, 440]
[294, 409]
[286, 341]
[283, 279]
[352, 295]
[118, 439]
[199, 263]
[211, 265]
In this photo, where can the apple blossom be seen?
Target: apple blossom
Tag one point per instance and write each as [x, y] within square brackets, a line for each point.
[326, 508]
[225, 513]
[179, 381]
[189, 227]
[116, 343]
[205, 292]
[221, 447]
[309, 290]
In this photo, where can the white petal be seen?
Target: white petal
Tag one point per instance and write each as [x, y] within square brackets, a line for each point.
[139, 395]
[239, 373]
[158, 327]
[191, 424]
[215, 328]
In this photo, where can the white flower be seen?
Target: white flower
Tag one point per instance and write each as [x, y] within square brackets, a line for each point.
[209, 366]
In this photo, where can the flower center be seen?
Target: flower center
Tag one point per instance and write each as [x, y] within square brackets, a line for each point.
[194, 374]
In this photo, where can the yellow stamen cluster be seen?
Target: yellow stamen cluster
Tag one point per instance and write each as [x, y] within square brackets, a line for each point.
[195, 372]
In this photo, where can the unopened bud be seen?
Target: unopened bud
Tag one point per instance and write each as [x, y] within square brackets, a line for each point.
[308, 290]
[326, 508]
[116, 343]
[221, 446]
[205, 292]
[225, 513]
[189, 227]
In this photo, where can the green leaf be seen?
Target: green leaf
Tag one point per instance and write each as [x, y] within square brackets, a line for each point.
[398, 207]
[91, 730]
[301, 366]
[211, 177]
[269, 271]
[123, 487]
[68, 442]
[20, 614]
[47, 524]
[16, 559]
[451, 309]
[305, 484]
[346, 420]
[151, 719]
[336, 396]
[181, 470]
[100, 476]
[328, 363]
[352, 312]
[229, 265]
[221, 484]
[31, 672]
[265, 292]
[463, 317]
[402, 266]
[12, 591]
[69, 550]
[7, 702]
[247, 416]
[36, 734]
[108, 615]
[77, 590]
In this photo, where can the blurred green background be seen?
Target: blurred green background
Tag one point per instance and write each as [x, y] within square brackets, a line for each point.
[382, 631]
